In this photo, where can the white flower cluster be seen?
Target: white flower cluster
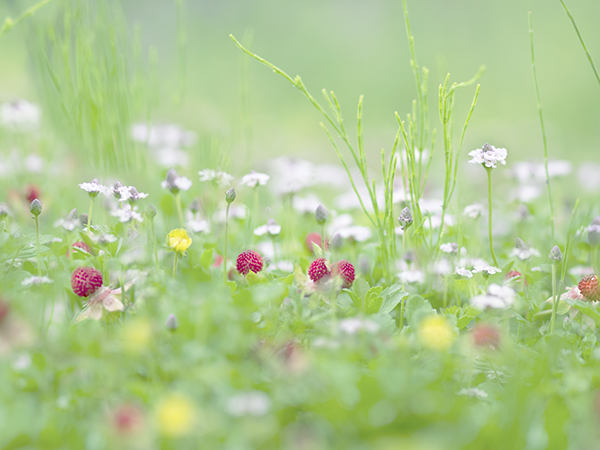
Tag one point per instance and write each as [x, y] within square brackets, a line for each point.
[497, 297]
[222, 179]
[254, 179]
[489, 155]
[94, 188]
[20, 115]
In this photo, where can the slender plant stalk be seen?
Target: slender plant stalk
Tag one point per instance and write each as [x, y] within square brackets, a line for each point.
[37, 246]
[570, 235]
[539, 106]
[589, 57]
[179, 209]
[89, 221]
[225, 251]
[554, 299]
[489, 176]
[10, 23]
[154, 241]
[175, 265]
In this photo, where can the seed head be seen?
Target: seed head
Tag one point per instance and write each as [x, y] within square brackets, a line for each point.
[85, 281]
[230, 195]
[405, 219]
[588, 286]
[321, 215]
[249, 261]
[555, 255]
[35, 207]
[318, 269]
[346, 270]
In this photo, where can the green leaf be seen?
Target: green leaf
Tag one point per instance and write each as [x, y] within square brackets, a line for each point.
[206, 258]
[585, 308]
[391, 301]
[361, 287]
[39, 360]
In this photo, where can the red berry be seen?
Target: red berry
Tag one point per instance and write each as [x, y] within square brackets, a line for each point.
[318, 269]
[249, 261]
[486, 336]
[346, 270]
[588, 286]
[314, 238]
[85, 281]
[82, 245]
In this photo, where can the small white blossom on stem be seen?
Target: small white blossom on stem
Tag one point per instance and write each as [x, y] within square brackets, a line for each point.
[254, 179]
[94, 188]
[489, 156]
[271, 228]
[486, 269]
[222, 179]
[473, 211]
[175, 183]
[450, 247]
[497, 297]
[127, 214]
[462, 272]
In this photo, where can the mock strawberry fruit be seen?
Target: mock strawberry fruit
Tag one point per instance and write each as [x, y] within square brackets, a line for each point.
[82, 245]
[249, 261]
[345, 270]
[318, 269]
[314, 238]
[85, 281]
[588, 286]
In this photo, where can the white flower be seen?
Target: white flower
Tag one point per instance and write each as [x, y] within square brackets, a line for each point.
[171, 157]
[20, 115]
[94, 188]
[127, 214]
[238, 211]
[270, 228]
[253, 403]
[490, 270]
[34, 163]
[489, 155]
[588, 176]
[411, 276]
[524, 253]
[198, 226]
[356, 232]
[473, 211]
[353, 325]
[222, 179]
[442, 267]
[35, 281]
[4, 211]
[254, 179]
[497, 297]
[450, 247]
[175, 183]
[473, 392]
[461, 271]
[306, 204]
[167, 135]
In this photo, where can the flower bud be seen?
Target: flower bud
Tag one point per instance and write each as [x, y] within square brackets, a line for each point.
[35, 207]
[336, 241]
[83, 219]
[3, 211]
[520, 244]
[594, 234]
[151, 211]
[195, 206]
[72, 215]
[555, 255]
[321, 215]
[172, 323]
[405, 219]
[230, 195]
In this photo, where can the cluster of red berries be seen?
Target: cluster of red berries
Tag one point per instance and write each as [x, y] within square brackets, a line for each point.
[588, 286]
[249, 261]
[85, 281]
[321, 268]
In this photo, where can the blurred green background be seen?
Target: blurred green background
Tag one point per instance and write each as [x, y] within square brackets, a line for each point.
[358, 47]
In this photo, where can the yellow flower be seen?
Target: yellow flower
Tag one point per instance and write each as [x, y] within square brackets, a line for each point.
[175, 415]
[436, 333]
[179, 240]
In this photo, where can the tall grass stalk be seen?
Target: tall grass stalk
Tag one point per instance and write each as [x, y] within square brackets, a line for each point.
[587, 53]
[539, 106]
[91, 83]
[379, 219]
[10, 23]
[489, 177]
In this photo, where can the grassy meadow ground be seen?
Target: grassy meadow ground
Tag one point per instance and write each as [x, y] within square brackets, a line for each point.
[185, 262]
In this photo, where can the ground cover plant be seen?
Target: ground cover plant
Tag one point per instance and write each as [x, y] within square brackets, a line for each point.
[155, 293]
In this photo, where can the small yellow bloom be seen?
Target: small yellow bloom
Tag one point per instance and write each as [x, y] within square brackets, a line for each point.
[436, 333]
[175, 415]
[179, 240]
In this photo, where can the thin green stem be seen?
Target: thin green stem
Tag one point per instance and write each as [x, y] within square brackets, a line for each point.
[225, 251]
[175, 264]
[589, 57]
[489, 175]
[89, 221]
[154, 241]
[179, 209]
[554, 299]
[539, 106]
[37, 246]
